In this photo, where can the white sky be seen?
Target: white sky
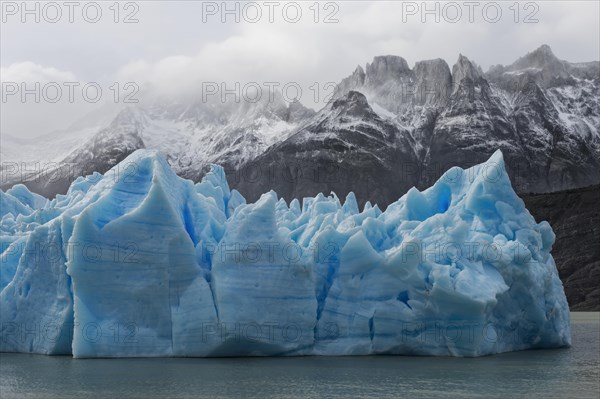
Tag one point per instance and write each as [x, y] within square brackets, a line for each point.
[172, 48]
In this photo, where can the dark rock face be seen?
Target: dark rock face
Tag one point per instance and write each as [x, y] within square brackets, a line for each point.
[575, 218]
[384, 69]
[433, 82]
[390, 81]
[465, 73]
[471, 127]
[347, 147]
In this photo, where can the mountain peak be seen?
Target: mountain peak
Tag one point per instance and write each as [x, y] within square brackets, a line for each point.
[389, 61]
[298, 112]
[359, 71]
[540, 65]
[544, 49]
[386, 67]
[433, 80]
[464, 69]
[129, 116]
[434, 63]
[541, 57]
[353, 97]
[354, 103]
[352, 82]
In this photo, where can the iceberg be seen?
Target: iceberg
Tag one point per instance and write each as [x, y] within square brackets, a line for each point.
[140, 262]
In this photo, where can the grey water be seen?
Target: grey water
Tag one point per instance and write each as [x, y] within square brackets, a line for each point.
[559, 373]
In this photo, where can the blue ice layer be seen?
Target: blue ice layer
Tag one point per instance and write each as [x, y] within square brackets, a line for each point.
[139, 262]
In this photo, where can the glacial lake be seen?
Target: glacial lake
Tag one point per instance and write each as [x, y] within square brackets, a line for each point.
[560, 373]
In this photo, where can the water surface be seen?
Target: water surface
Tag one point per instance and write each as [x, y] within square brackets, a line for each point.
[559, 373]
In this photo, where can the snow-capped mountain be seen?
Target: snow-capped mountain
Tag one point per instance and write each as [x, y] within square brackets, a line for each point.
[388, 127]
[192, 136]
[56, 145]
[346, 147]
[540, 111]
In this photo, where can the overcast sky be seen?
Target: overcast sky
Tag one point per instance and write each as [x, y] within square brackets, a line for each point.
[175, 45]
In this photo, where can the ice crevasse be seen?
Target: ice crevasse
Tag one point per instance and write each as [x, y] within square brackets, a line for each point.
[140, 262]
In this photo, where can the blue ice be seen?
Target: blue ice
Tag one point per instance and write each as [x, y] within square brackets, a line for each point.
[140, 262]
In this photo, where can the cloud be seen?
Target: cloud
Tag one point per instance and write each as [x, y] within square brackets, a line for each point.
[173, 51]
[32, 72]
[37, 99]
[316, 53]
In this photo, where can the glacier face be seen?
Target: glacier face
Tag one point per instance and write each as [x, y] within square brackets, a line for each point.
[140, 262]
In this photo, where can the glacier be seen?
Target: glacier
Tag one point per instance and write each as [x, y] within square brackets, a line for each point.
[140, 262]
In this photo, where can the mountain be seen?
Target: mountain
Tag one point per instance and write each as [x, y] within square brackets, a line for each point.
[575, 218]
[388, 127]
[540, 111]
[191, 135]
[56, 145]
[346, 147]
